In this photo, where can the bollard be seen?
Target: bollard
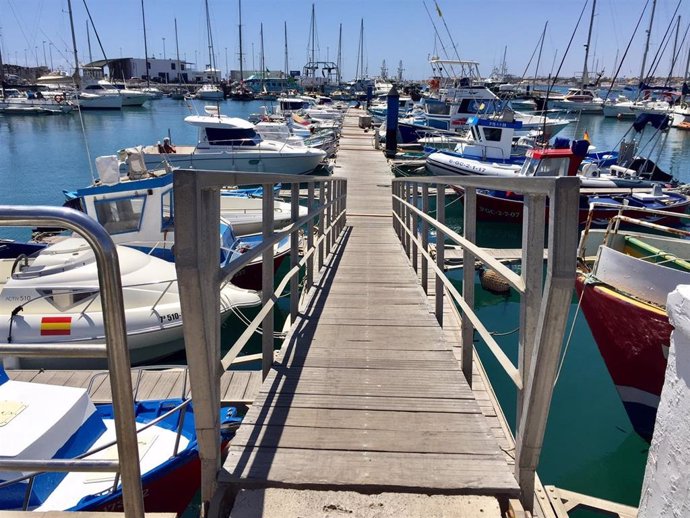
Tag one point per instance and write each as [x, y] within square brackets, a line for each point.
[392, 122]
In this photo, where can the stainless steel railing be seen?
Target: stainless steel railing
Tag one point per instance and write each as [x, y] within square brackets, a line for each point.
[543, 311]
[115, 350]
[197, 197]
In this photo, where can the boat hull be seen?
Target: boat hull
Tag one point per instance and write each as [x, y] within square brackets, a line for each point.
[508, 208]
[633, 339]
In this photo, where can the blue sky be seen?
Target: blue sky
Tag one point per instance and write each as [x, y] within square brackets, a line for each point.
[394, 30]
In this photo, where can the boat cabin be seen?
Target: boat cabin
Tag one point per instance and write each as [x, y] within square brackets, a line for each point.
[580, 95]
[221, 131]
[562, 160]
[489, 139]
[291, 104]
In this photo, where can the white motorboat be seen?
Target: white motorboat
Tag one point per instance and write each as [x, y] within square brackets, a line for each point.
[580, 100]
[53, 296]
[18, 103]
[209, 93]
[130, 96]
[232, 144]
[681, 116]
[626, 109]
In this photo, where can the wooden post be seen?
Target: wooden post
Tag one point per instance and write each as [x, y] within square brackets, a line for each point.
[294, 253]
[563, 234]
[469, 233]
[440, 250]
[425, 238]
[396, 208]
[328, 185]
[392, 111]
[405, 217]
[267, 282]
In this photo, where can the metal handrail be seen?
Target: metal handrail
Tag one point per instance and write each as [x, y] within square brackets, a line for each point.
[109, 279]
[197, 195]
[543, 310]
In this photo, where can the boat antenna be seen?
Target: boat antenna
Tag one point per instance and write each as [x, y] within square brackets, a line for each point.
[552, 82]
[632, 36]
[438, 36]
[450, 36]
[146, 49]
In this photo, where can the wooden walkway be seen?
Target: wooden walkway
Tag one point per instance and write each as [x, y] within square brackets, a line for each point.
[236, 387]
[368, 396]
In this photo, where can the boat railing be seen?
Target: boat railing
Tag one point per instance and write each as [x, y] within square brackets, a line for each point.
[615, 221]
[197, 196]
[544, 302]
[115, 350]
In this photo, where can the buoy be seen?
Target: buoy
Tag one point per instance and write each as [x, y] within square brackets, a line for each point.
[493, 282]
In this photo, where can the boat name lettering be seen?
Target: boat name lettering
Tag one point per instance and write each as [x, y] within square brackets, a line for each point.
[19, 298]
[170, 317]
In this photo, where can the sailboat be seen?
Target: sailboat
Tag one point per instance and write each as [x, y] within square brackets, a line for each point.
[210, 92]
[178, 93]
[264, 94]
[582, 99]
[631, 109]
[241, 92]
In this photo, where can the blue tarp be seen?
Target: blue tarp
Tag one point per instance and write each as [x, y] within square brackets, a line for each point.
[660, 121]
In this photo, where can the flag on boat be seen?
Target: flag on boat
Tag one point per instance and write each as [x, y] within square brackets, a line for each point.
[586, 136]
[56, 326]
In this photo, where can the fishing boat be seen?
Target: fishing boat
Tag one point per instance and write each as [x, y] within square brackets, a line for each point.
[623, 296]
[232, 144]
[617, 193]
[53, 296]
[55, 422]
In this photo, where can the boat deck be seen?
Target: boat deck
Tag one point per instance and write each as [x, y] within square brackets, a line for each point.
[368, 396]
[237, 387]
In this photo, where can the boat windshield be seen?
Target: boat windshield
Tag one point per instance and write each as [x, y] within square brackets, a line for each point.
[231, 136]
[548, 167]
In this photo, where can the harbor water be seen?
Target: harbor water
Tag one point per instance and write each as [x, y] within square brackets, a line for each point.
[590, 446]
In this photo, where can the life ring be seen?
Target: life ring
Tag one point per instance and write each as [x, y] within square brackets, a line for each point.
[59, 99]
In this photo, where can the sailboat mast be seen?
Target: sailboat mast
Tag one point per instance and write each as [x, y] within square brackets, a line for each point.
[177, 50]
[504, 67]
[541, 46]
[340, 58]
[2, 75]
[74, 42]
[585, 78]
[146, 49]
[360, 53]
[210, 45]
[646, 45]
[88, 41]
[313, 34]
[287, 66]
[262, 61]
[675, 48]
[241, 55]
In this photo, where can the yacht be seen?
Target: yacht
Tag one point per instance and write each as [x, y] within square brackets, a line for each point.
[232, 144]
[581, 100]
[209, 93]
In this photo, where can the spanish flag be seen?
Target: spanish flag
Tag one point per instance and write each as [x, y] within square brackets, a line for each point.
[56, 326]
[586, 136]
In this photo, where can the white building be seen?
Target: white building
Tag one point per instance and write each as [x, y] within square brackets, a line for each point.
[159, 70]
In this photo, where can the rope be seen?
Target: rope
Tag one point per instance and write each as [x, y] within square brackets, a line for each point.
[570, 333]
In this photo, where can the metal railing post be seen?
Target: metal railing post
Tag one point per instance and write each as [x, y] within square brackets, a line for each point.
[406, 218]
[534, 207]
[328, 185]
[469, 233]
[395, 189]
[440, 249]
[414, 225]
[322, 198]
[267, 282]
[539, 380]
[425, 238]
[294, 252]
[310, 237]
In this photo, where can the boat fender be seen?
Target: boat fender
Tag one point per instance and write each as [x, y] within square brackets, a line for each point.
[493, 282]
[59, 99]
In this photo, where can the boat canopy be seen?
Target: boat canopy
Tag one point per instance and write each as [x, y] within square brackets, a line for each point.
[660, 121]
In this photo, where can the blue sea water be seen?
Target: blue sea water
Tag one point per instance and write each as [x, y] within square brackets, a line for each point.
[589, 446]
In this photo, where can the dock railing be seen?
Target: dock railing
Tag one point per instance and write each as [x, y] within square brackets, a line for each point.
[544, 302]
[197, 252]
[114, 349]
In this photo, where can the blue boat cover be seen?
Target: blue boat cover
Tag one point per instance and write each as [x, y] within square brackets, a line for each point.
[660, 121]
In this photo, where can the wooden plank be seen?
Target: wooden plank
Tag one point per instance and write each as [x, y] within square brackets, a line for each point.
[342, 470]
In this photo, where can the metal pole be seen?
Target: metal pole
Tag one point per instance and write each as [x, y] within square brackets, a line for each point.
[310, 236]
[415, 226]
[440, 251]
[110, 282]
[405, 218]
[329, 214]
[267, 281]
[469, 233]
[425, 238]
[294, 253]
[393, 109]
[321, 222]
